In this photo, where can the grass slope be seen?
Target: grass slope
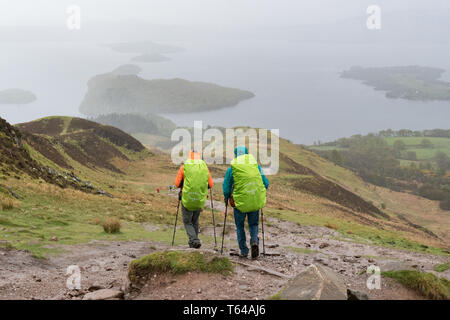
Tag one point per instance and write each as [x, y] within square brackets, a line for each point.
[63, 139]
[418, 210]
[442, 267]
[426, 284]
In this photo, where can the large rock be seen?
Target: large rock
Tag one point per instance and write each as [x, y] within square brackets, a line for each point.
[356, 295]
[104, 294]
[315, 283]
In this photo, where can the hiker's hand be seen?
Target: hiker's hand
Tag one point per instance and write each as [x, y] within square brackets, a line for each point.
[179, 195]
[225, 200]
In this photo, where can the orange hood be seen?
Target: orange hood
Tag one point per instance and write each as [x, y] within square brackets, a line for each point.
[194, 155]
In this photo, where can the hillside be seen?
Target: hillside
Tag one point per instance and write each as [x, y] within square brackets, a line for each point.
[405, 160]
[405, 165]
[151, 129]
[396, 211]
[17, 161]
[317, 212]
[63, 140]
[112, 93]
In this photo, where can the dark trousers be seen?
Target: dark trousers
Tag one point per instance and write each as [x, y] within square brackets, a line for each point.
[190, 220]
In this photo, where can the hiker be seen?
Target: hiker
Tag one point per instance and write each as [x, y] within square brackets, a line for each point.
[194, 179]
[245, 187]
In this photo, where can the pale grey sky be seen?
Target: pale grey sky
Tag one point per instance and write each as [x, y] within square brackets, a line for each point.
[220, 13]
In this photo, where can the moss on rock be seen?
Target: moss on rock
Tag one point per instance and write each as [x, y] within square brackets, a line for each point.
[177, 262]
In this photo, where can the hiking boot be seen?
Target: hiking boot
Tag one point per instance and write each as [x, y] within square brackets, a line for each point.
[197, 245]
[243, 256]
[255, 251]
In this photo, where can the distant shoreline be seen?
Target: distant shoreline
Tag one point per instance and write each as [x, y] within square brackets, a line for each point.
[415, 83]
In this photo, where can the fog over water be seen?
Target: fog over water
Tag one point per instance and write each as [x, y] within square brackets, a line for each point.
[292, 65]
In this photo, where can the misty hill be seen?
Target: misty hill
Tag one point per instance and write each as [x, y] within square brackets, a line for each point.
[135, 123]
[16, 96]
[150, 130]
[110, 93]
[70, 142]
[408, 82]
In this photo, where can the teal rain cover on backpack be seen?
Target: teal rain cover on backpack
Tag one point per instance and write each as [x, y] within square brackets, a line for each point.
[249, 193]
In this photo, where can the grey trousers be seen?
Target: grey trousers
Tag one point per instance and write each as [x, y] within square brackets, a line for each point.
[190, 220]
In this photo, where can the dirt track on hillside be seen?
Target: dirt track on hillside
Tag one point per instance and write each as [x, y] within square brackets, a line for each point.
[105, 264]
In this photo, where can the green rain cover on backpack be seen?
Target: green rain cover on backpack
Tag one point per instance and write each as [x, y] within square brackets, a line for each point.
[195, 185]
[249, 193]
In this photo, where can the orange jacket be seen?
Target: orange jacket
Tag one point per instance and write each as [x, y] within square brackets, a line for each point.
[180, 176]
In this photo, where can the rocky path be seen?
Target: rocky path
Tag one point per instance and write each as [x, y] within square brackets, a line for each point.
[290, 248]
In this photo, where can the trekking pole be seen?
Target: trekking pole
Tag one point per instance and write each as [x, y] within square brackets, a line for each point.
[262, 224]
[224, 223]
[214, 222]
[176, 218]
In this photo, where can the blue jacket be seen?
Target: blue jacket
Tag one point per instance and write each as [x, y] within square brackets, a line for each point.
[229, 180]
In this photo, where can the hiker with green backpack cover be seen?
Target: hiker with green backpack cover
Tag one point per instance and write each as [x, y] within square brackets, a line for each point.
[244, 187]
[194, 179]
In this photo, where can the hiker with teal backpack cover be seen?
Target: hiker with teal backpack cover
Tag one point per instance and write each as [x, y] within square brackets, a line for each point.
[194, 179]
[245, 187]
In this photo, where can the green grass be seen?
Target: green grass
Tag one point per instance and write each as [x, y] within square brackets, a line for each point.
[178, 262]
[442, 267]
[276, 296]
[355, 231]
[427, 154]
[411, 143]
[426, 284]
[75, 218]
